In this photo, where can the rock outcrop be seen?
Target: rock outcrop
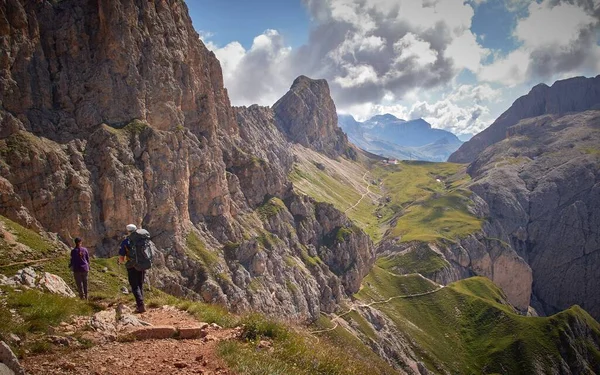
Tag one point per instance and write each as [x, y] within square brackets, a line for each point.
[28, 278]
[115, 113]
[307, 115]
[474, 255]
[571, 95]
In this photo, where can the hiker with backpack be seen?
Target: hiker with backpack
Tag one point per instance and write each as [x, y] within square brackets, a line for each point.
[136, 253]
[80, 265]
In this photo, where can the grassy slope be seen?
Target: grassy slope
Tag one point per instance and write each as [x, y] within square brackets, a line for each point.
[295, 352]
[421, 260]
[55, 259]
[37, 311]
[419, 209]
[468, 328]
[423, 208]
[341, 183]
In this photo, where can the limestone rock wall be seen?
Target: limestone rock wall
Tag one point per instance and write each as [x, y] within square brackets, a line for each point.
[307, 115]
[114, 112]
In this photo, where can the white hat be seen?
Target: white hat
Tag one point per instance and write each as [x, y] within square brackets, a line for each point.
[131, 228]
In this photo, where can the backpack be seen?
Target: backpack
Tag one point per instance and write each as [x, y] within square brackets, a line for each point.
[140, 251]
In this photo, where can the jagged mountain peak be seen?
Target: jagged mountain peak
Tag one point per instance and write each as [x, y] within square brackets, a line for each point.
[306, 114]
[304, 81]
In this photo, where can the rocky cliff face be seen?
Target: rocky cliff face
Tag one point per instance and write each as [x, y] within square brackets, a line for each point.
[479, 254]
[307, 115]
[542, 185]
[570, 95]
[536, 169]
[115, 112]
[75, 76]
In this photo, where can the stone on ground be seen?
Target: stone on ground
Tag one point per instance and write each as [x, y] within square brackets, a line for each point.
[9, 360]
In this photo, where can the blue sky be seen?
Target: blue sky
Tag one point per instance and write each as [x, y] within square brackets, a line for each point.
[242, 20]
[457, 64]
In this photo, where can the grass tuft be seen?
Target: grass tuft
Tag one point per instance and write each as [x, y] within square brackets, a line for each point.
[271, 208]
[197, 250]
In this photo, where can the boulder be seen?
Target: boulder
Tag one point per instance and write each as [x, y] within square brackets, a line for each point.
[49, 282]
[154, 333]
[26, 277]
[55, 284]
[193, 332]
[9, 361]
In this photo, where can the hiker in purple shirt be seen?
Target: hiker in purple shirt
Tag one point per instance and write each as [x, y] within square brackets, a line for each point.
[80, 265]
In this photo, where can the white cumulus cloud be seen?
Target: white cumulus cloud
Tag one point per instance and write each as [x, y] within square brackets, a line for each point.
[258, 75]
[557, 38]
[398, 56]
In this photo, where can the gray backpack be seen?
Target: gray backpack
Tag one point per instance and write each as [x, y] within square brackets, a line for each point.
[140, 251]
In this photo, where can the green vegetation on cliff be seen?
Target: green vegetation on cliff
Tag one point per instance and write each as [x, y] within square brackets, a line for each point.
[342, 183]
[270, 208]
[197, 250]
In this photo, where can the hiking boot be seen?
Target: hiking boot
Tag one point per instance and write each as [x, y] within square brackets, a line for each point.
[140, 309]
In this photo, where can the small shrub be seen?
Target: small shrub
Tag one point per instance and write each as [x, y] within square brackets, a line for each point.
[257, 326]
[40, 347]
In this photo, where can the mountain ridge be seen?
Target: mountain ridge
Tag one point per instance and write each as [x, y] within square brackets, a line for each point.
[396, 138]
[570, 95]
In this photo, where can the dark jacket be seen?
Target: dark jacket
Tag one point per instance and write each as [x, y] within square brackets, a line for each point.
[80, 260]
[124, 251]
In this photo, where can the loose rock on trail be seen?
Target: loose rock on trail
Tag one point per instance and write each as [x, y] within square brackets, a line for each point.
[150, 354]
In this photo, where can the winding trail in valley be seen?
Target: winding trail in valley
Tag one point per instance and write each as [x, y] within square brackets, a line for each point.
[337, 316]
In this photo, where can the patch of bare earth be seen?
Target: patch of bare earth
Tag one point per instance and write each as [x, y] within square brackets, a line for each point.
[154, 356]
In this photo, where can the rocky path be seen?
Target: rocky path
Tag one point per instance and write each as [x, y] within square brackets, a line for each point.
[146, 355]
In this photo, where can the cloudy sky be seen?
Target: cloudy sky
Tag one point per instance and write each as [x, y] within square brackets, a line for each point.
[458, 64]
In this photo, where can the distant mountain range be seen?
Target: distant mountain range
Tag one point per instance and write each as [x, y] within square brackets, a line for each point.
[390, 136]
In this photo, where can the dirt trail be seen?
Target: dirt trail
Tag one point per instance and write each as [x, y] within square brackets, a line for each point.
[336, 317]
[167, 356]
[364, 195]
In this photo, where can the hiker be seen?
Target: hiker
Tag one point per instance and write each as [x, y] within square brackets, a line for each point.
[136, 253]
[80, 265]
